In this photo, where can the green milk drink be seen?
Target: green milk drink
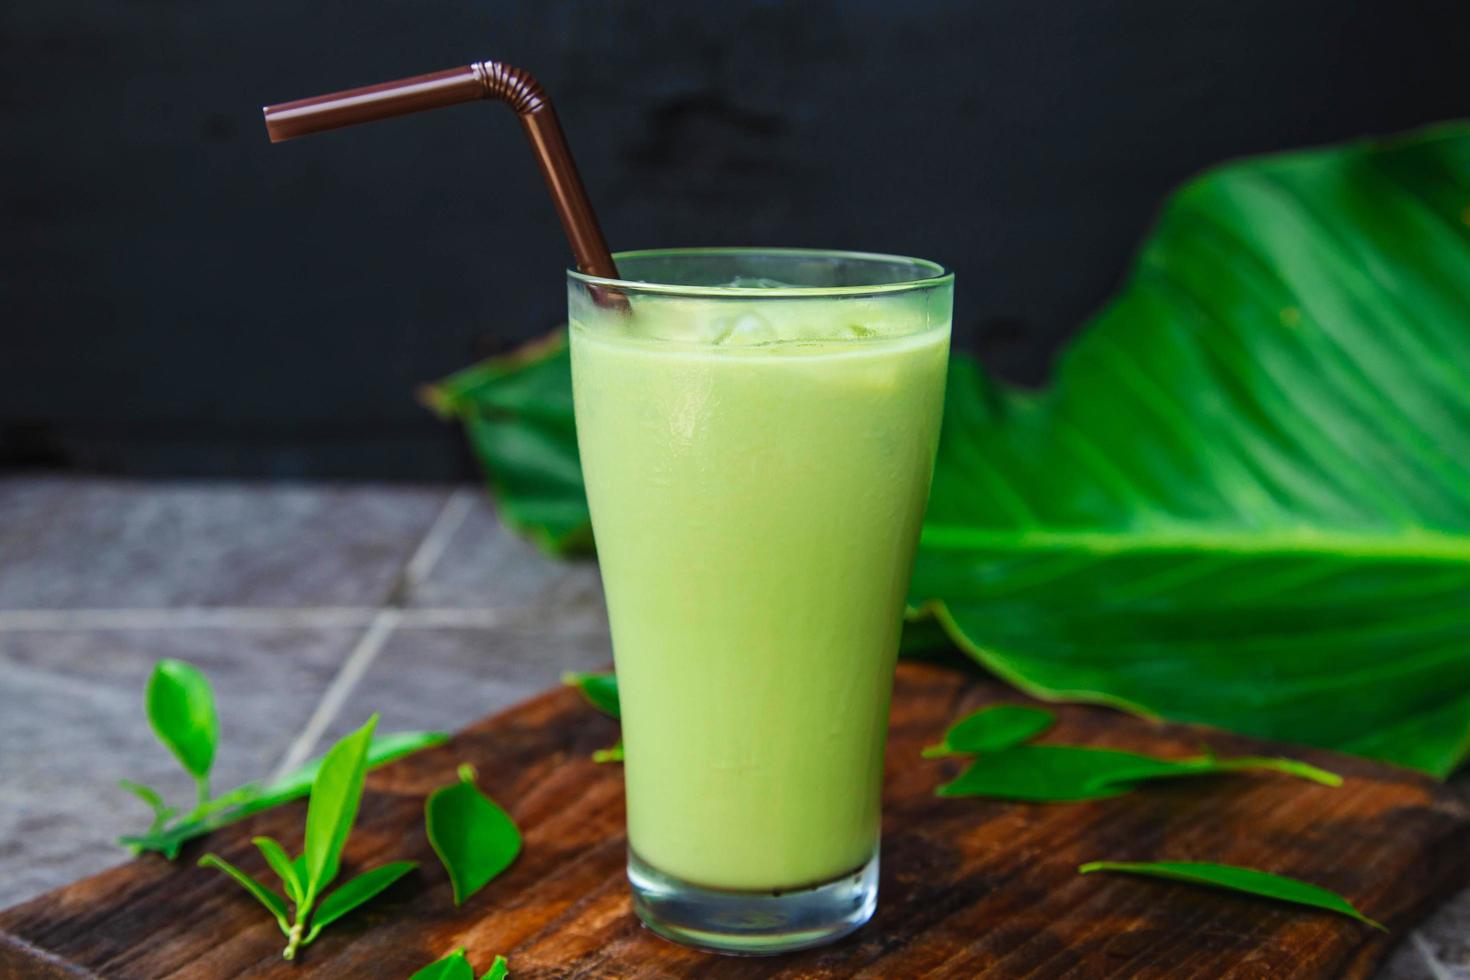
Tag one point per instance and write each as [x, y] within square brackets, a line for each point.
[757, 461]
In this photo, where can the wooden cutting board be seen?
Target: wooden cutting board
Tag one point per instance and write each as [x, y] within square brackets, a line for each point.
[969, 887]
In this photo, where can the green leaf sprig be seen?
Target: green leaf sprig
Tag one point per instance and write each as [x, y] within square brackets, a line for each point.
[601, 691]
[456, 967]
[1245, 880]
[336, 793]
[1006, 768]
[472, 834]
[181, 711]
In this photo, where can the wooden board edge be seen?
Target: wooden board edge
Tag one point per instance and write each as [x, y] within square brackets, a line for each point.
[22, 960]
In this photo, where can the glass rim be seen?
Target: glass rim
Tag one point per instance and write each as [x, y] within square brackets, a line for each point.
[939, 274]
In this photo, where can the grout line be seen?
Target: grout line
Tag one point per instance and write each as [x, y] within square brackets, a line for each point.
[341, 687]
[265, 617]
[431, 548]
[218, 617]
[1426, 953]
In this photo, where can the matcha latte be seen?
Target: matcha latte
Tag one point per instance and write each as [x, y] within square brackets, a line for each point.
[757, 433]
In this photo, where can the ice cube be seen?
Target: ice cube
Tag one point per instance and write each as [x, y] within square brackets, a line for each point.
[749, 329]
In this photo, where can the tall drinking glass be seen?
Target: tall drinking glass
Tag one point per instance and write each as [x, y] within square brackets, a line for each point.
[757, 430]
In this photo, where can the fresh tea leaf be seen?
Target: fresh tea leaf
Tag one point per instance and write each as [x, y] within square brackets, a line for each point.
[335, 795]
[613, 753]
[273, 902]
[992, 729]
[181, 711]
[1042, 774]
[251, 799]
[147, 794]
[1246, 880]
[600, 690]
[474, 838]
[384, 749]
[452, 967]
[150, 796]
[165, 841]
[283, 866]
[499, 970]
[1069, 773]
[355, 892]
[1209, 764]
[299, 867]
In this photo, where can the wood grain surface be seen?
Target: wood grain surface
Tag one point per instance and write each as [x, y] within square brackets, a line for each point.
[969, 887]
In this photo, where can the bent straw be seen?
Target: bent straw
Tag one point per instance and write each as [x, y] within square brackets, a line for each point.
[481, 80]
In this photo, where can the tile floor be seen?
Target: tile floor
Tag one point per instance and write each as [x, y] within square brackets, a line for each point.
[310, 606]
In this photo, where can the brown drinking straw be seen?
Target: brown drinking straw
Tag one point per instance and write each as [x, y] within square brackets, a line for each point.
[482, 80]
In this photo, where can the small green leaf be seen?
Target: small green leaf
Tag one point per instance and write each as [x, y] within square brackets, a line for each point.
[499, 970]
[147, 794]
[385, 748]
[474, 838]
[181, 711]
[452, 967]
[600, 690]
[992, 729]
[613, 753]
[252, 799]
[1287, 767]
[356, 892]
[235, 797]
[282, 865]
[150, 796]
[1070, 773]
[1232, 878]
[275, 903]
[1208, 765]
[1040, 774]
[157, 840]
[335, 795]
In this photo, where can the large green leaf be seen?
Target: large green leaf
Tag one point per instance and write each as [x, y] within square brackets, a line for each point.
[517, 411]
[1245, 498]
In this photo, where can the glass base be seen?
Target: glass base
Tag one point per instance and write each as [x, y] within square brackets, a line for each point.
[753, 923]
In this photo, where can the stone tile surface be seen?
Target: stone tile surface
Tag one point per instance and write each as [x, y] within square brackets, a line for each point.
[72, 723]
[1445, 937]
[73, 543]
[446, 678]
[486, 565]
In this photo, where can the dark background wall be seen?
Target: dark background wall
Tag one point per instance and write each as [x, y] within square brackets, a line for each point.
[178, 296]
